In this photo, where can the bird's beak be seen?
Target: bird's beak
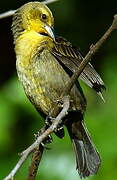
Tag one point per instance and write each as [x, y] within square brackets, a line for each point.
[50, 31]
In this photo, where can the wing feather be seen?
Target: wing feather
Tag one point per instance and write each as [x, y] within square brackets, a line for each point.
[71, 57]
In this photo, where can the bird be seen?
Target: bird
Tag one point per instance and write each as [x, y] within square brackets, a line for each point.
[45, 63]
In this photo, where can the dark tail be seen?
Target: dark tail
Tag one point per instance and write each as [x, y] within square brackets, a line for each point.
[87, 157]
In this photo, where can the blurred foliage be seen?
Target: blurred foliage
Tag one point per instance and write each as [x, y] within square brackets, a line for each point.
[83, 23]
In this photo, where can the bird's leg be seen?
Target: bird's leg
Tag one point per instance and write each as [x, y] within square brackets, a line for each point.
[59, 130]
[49, 120]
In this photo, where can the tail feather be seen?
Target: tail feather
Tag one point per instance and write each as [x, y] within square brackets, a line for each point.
[87, 157]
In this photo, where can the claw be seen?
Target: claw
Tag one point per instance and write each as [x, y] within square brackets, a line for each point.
[48, 140]
[49, 120]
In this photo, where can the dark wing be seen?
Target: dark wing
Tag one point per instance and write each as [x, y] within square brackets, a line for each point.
[71, 58]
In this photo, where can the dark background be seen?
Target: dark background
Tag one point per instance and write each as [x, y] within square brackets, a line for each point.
[82, 23]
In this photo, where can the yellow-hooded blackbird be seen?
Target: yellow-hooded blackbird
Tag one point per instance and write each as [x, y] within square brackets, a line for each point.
[45, 63]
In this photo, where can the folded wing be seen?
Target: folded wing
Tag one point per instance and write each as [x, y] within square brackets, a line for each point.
[71, 58]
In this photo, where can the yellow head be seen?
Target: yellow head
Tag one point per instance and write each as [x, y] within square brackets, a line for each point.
[33, 16]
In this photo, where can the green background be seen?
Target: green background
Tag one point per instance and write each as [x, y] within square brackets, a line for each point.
[82, 23]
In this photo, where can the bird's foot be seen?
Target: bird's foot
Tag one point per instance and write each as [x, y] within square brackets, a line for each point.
[49, 120]
[47, 140]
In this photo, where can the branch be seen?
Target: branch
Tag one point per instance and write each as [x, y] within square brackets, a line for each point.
[36, 144]
[12, 12]
[65, 99]
[7, 14]
[49, 1]
[37, 155]
[36, 158]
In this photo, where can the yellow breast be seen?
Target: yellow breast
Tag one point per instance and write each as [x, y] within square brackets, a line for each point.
[26, 45]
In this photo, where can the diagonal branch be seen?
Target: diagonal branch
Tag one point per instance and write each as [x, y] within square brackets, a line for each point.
[56, 112]
[92, 51]
[12, 12]
[36, 144]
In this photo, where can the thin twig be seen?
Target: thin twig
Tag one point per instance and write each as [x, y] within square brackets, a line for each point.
[35, 145]
[7, 14]
[49, 1]
[12, 12]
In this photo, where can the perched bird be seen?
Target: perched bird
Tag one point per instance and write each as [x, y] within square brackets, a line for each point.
[44, 64]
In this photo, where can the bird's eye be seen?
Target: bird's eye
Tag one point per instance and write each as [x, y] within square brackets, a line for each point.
[43, 16]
